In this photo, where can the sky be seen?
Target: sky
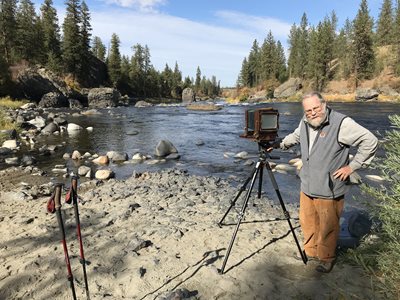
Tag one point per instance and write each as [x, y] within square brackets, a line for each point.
[215, 35]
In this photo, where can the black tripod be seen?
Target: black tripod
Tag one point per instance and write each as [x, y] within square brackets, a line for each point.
[258, 170]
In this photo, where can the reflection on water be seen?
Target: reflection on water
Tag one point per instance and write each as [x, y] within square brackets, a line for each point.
[218, 130]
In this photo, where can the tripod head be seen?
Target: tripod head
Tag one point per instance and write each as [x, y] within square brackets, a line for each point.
[265, 148]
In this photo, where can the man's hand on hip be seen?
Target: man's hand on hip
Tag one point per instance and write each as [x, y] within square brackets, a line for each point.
[343, 173]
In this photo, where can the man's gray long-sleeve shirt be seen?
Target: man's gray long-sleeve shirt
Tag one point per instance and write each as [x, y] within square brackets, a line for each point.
[351, 133]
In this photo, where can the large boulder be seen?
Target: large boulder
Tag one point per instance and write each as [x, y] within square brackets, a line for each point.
[363, 94]
[288, 88]
[188, 95]
[103, 97]
[36, 82]
[53, 99]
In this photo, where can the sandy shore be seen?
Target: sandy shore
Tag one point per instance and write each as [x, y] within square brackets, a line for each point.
[156, 233]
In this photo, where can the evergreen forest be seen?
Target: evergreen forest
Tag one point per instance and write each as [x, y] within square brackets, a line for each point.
[323, 52]
[70, 51]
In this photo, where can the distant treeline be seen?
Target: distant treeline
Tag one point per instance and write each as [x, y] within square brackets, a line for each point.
[29, 38]
[321, 53]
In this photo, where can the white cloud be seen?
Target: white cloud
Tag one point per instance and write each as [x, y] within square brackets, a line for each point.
[142, 5]
[217, 50]
[260, 25]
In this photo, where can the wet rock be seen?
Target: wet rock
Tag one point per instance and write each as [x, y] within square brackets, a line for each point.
[173, 156]
[38, 122]
[139, 157]
[103, 97]
[164, 148]
[188, 95]
[117, 156]
[375, 178]
[101, 160]
[199, 143]
[132, 132]
[73, 127]
[50, 128]
[89, 129]
[143, 104]
[242, 155]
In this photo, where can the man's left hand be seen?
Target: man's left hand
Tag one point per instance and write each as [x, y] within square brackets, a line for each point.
[343, 173]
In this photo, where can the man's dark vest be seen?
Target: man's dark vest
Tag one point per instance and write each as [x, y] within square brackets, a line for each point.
[326, 156]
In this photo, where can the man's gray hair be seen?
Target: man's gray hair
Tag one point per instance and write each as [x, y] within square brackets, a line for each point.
[312, 94]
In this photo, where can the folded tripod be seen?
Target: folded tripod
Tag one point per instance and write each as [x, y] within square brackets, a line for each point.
[264, 149]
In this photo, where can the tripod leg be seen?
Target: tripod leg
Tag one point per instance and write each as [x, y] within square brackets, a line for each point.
[233, 202]
[241, 214]
[285, 212]
[260, 179]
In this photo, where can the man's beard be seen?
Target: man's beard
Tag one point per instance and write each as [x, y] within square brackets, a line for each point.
[315, 123]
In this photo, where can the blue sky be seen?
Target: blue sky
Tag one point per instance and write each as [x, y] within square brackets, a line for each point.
[213, 34]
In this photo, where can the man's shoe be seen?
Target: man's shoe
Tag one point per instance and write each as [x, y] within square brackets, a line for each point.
[325, 266]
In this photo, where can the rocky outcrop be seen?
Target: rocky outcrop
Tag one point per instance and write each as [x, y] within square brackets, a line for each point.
[53, 99]
[288, 88]
[103, 97]
[36, 82]
[363, 94]
[188, 95]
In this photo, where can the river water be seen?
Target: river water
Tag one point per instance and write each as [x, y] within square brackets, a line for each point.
[131, 130]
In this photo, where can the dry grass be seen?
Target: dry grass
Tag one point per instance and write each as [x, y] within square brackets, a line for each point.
[8, 102]
[340, 97]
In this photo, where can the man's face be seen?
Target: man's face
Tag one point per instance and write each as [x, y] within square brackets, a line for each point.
[314, 110]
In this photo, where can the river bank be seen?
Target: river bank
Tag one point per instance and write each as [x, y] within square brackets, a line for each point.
[155, 233]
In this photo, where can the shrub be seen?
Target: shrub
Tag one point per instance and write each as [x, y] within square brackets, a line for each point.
[381, 256]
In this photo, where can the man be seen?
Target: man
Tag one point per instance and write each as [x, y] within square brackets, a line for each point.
[325, 137]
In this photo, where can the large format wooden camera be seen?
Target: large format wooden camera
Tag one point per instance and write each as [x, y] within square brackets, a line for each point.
[262, 124]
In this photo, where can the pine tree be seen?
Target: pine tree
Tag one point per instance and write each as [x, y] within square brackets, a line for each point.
[303, 48]
[344, 50]
[27, 22]
[72, 41]
[51, 36]
[293, 50]
[268, 57]
[5, 78]
[114, 60]
[384, 32]
[176, 89]
[85, 34]
[197, 80]
[281, 71]
[8, 27]
[254, 65]
[138, 66]
[98, 48]
[363, 55]
[244, 75]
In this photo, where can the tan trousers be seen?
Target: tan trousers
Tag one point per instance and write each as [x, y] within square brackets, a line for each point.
[319, 221]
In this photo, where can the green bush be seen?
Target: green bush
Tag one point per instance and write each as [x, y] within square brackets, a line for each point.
[381, 255]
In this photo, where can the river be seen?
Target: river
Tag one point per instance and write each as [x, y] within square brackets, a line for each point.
[131, 130]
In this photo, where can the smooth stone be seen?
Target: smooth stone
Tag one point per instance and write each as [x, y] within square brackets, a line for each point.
[104, 174]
